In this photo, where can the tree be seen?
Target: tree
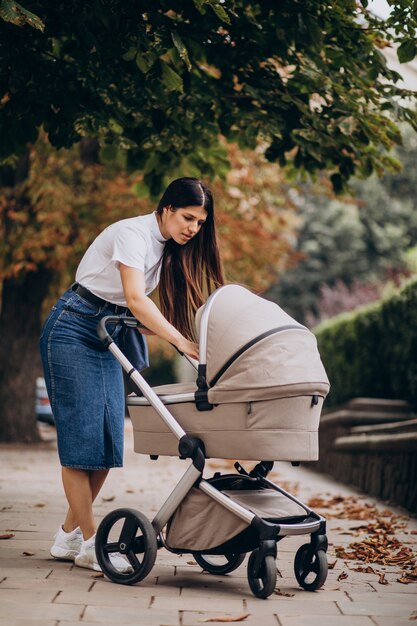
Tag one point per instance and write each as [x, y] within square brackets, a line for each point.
[49, 218]
[350, 248]
[163, 80]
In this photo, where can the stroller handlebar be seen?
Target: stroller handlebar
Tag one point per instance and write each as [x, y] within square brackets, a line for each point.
[125, 320]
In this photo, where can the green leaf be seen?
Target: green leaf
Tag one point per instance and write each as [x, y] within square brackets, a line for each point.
[219, 10]
[182, 50]
[130, 54]
[407, 51]
[170, 78]
[145, 60]
[115, 126]
[11, 11]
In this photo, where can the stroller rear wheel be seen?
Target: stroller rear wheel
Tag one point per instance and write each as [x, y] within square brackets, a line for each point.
[216, 566]
[263, 581]
[131, 534]
[310, 567]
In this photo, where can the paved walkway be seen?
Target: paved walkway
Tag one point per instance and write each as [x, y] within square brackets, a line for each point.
[36, 590]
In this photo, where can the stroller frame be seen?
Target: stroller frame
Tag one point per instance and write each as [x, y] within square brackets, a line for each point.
[310, 563]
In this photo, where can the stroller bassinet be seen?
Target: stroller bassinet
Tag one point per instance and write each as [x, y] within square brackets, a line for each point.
[258, 396]
[260, 376]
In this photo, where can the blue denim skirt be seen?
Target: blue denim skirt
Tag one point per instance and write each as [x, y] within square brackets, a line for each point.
[84, 383]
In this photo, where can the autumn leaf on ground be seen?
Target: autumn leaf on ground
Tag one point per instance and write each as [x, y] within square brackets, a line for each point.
[278, 592]
[191, 563]
[98, 575]
[331, 565]
[226, 618]
[382, 580]
[109, 499]
[367, 570]
[39, 505]
[25, 553]
[342, 576]
[7, 536]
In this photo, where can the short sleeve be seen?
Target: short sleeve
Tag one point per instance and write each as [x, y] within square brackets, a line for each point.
[130, 248]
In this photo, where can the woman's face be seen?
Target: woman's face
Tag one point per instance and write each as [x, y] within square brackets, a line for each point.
[183, 224]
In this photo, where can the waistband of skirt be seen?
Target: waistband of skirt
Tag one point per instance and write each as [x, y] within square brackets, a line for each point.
[99, 302]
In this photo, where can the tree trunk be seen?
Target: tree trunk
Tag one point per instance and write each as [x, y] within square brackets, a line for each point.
[20, 324]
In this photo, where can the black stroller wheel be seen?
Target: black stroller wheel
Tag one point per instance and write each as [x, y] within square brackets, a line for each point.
[216, 567]
[131, 534]
[263, 581]
[310, 567]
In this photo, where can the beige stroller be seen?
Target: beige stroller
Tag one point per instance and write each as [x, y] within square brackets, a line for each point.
[258, 396]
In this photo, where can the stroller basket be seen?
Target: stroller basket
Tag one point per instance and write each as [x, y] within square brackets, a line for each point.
[195, 524]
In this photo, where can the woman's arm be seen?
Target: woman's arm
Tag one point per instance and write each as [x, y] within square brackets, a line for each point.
[146, 311]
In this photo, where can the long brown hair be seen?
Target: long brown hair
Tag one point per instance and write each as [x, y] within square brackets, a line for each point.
[190, 272]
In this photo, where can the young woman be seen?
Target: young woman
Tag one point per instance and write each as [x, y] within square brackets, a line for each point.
[176, 247]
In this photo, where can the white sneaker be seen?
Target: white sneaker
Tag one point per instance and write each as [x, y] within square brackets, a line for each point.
[87, 558]
[67, 545]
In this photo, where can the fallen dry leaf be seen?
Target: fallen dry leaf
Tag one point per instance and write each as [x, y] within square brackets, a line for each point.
[226, 618]
[278, 592]
[39, 505]
[367, 570]
[342, 576]
[331, 565]
[7, 536]
[97, 575]
[413, 532]
[382, 580]
[191, 563]
[109, 499]
[26, 553]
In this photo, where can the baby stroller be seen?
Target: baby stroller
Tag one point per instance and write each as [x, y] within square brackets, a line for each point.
[258, 396]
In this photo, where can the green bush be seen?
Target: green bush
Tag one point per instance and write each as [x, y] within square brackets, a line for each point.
[372, 352]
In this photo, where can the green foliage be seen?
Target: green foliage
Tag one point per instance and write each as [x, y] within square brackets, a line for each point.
[372, 352]
[361, 238]
[162, 80]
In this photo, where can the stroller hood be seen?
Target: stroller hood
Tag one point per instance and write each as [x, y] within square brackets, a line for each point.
[253, 350]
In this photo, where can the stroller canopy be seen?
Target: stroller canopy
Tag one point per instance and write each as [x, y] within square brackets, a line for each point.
[253, 350]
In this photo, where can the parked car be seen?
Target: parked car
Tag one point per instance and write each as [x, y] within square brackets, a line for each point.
[43, 406]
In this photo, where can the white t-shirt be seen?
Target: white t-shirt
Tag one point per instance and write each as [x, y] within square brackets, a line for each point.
[135, 242]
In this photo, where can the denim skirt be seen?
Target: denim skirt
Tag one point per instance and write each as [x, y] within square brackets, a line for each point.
[84, 383]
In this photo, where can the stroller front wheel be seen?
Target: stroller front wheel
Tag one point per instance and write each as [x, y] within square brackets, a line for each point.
[263, 581]
[212, 567]
[310, 567]
[131, 534]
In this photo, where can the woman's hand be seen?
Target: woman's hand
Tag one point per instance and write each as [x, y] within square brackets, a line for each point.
[187, 347]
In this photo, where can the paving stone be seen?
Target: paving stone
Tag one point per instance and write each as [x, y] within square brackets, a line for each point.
[391, 621]
[24, 610]
[131, 615]
[326, 620]
[230, 603]
[293, 606]
[32, 622]
[196, 618]
[397, 609]
[32, 596]
[113, 599]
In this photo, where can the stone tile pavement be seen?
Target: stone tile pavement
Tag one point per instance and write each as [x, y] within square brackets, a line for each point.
[36, 590]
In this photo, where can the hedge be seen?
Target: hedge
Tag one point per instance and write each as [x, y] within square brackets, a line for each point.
[372, 352]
